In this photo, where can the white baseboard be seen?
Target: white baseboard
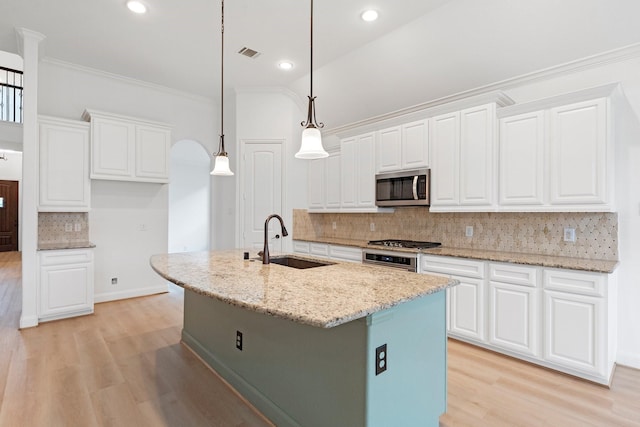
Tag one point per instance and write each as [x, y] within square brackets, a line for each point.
[130, 293]
[28, 321]
[628, 359]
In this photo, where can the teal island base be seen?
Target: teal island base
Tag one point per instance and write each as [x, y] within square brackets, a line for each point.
[301, 375]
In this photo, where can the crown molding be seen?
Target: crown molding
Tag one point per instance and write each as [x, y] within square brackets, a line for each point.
[300, 102]
[126, 80]
[589, 62]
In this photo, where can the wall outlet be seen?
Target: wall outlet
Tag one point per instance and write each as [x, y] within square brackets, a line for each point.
[372, 226]
[239, 340]
[68, 227]
[468, 231]
[381, 359]
[142, 227]
[570, 235]
[114, 280]
[77, 227]
[334, 225]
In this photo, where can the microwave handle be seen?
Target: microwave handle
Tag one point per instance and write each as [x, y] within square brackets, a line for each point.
[415, 187]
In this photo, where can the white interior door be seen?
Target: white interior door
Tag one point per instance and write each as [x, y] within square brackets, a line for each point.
[262, 193]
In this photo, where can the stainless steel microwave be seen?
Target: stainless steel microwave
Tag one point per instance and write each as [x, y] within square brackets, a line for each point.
[406, 188]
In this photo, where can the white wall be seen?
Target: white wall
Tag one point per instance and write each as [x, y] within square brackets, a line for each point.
[121, 210]
[189, 197]
[275, 114]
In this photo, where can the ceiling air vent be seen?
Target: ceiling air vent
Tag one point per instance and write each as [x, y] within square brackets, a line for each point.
[249, 53]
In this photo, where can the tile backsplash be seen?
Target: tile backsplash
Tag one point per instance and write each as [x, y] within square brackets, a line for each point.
[534, 233]
[53, 227]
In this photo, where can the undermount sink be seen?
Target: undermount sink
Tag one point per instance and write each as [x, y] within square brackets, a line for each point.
[298, 263]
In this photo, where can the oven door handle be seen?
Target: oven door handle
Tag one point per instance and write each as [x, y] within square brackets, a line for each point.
[415, 187]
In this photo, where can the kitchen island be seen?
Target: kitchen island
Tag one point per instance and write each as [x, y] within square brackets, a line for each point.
[339, 344]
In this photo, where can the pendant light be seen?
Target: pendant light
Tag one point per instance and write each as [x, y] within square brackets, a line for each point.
[221, 166]
[311, 145]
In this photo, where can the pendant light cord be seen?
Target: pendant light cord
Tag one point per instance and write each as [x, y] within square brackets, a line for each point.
[311, 54]
[311, 121]
[221, 148]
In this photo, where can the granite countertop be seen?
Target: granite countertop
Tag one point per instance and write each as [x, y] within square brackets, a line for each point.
[584, 264]
[325, 296]
[52, 246]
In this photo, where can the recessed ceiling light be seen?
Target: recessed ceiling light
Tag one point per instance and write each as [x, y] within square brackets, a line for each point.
[369, 15]
[285, 65]
[136, 7]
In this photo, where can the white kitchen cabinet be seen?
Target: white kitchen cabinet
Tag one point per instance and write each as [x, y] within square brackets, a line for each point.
[561, 319]
[578, 319]
[357, 160]
[63, 157]
[65, 280]
[463, 160]
[522, 164]
[345, 253]
[557, 154]
[324, 250]
[513, 308]
[128, 149]
[466, 301]
[325, 183]
[404, 147]
[578, 151]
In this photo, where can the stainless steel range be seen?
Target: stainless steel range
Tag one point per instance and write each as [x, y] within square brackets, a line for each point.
[397, 259]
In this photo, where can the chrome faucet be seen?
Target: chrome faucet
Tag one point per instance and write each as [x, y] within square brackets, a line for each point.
[265, 251]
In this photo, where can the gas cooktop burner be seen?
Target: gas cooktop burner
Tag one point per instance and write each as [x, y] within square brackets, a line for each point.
[410, 244]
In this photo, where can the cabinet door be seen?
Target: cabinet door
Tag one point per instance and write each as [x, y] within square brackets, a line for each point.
[366, 171]
[64, 183]
[513, 317]
[522, 159]
[389, 149]
[445, 143]
[316, 174]
[332, 180]
[578, 153]
[112, 149]
[152, 153]
[66, 290]
[575, 331]
[477, 152]
[466, 305]
[348, 162]
[415, 145]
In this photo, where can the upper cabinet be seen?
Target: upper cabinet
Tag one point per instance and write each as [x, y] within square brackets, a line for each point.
[403, 147]
[324, 183]
[463, 152]
[557, 154]
[128, 149]
[358, 172]
[63, 157]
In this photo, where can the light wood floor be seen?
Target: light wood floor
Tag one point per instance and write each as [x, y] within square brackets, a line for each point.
[125, 366]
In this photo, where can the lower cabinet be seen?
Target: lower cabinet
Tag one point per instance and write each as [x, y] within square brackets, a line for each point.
[325, 250]
[561, 319]
[65, 280]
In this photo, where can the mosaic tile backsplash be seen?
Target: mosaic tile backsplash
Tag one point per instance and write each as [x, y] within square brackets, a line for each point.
[534, 233]
[53, 227]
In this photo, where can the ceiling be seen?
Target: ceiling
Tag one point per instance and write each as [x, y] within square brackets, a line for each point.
[417, 51]
[177, 43]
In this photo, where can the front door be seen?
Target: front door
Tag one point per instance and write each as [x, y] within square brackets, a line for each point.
[8, 216]
[262, 193]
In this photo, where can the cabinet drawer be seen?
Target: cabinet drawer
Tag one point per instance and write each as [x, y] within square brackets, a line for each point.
[455, 266]
[300, 247]
[347, 253]
[575, 282]
[514, 274]
[319, 249]
[67, 256]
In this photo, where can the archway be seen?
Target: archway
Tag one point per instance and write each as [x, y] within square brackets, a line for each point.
[189, 197]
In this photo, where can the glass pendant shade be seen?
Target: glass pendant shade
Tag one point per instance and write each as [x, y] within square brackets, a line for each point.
[221, 166]
[311, 146]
